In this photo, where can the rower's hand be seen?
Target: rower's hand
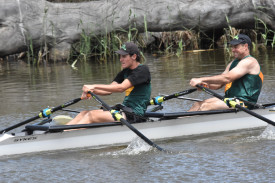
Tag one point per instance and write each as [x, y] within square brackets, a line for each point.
[86, 89]
[85, 95]
[197, 81]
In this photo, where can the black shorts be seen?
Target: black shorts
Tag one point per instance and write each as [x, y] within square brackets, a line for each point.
[130, 115]
[133, 118]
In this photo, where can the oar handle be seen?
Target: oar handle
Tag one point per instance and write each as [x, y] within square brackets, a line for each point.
[123, 121]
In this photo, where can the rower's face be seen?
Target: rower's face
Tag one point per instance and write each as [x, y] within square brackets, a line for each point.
[127, 61]
[239, 50]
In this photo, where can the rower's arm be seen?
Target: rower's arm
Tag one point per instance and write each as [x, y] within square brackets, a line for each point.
[101, 89]
[216, 86]
[244, 67]
[212, 82]
[87, 88]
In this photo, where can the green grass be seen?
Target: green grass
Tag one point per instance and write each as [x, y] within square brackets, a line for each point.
[102, 47]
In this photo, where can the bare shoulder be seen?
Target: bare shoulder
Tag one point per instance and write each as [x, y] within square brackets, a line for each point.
[251, 64]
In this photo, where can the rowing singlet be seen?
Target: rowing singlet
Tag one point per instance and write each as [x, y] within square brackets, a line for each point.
[247, 87]
[138, 96]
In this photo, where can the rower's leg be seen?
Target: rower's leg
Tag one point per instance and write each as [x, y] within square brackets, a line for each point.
[196, 106]
[98, 116]
[94, 116]
[213, 104]
[209, 104]
[77, 118]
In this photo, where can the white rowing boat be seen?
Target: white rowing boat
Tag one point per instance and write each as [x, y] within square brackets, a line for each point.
[37, 138]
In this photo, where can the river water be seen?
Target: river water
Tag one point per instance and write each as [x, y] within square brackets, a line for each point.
[224, 157]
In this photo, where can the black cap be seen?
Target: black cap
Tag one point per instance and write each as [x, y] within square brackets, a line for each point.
[241, 39]
[128, 48]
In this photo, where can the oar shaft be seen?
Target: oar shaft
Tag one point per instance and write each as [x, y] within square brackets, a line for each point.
[191, 99]
[40, 115]
[210, 92]
[255, 114]
[158, 100]
[19, 124]
[66, 104]
[237, 106]
[175, 95]
[123, 121]
[185, 98]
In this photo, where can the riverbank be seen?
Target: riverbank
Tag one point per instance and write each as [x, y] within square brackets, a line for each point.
[59, 30]
[165, 43]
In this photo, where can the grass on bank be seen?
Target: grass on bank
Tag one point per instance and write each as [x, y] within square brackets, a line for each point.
[102, 47]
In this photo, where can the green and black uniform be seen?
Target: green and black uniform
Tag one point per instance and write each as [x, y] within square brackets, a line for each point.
[247, 87]
[137, 97]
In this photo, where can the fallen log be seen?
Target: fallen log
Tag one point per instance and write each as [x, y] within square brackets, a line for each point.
[41, 23]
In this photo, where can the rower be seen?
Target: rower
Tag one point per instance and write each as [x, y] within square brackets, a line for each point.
[242, 78]
[134, 80]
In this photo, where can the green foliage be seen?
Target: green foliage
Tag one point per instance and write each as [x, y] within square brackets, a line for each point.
[261, 36]
[180, 49]
[273, 40]
[30, 53]
[103, 47]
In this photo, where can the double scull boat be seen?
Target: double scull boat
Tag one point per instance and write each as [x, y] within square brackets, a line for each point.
[48, 136]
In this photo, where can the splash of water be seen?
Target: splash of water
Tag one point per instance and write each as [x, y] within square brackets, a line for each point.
[268, 133]
[21, 25]
[136, 147]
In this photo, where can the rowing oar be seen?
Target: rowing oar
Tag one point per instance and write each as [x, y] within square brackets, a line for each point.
[42, 114]
[117, 116]
[158, 100]
[236, 105]
[185, 98]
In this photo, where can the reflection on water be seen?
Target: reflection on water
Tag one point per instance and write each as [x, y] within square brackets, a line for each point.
[25, 90]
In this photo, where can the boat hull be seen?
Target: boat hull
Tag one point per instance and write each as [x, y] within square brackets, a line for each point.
[117, 135]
